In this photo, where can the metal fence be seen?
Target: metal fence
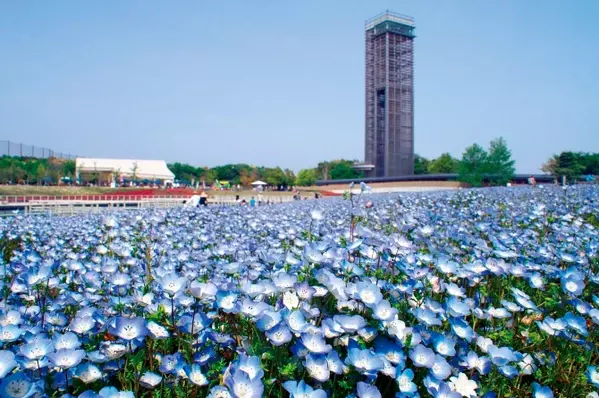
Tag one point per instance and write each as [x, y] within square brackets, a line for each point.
[9, 148]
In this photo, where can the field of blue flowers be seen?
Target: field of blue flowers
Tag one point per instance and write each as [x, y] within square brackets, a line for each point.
[467, 293]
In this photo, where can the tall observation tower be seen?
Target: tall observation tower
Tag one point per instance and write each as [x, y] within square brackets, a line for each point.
[389, 134]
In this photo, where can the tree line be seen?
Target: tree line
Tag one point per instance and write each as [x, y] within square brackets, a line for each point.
[28, 170]
[572, 165]
[477, 166]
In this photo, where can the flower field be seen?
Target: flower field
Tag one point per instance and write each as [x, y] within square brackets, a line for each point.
[468, 293]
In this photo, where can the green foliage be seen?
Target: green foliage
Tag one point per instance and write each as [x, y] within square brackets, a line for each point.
[421, 165]
[444, 164]
[496, 166]
[240, 173]
[34, 171]
[500, 166]
[572, 165]
[306, 177]
[337, 170]
[473, 165]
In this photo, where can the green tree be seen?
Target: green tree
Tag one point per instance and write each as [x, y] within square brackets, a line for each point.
[500, 163]
[274, 176]
[40, 173]
[444, 164]
[306, 177]
[344, 170]
[68, 168]
[473, 165]
[568, 166]
[421, 164]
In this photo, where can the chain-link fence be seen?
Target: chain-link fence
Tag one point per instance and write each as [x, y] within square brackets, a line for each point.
[9, 148]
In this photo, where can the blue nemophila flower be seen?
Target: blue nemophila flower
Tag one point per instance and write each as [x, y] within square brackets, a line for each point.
[317, 367]
[195, 376]
[390, 350]
[443, 390]
[150, 380]
[427, 317]
[572, 285]
[241, 386]
[367, 391]
[383, 311]
[523, 299]
[422, 357]
[36, 349]
[10, 333]
[335, 363]
[10, 318]
[315, 342]
[502, 356]
[304, 291]
[193, 324]
[461, 329]
[68, 340]
[268, 320]
[481, 364]
[172, 284]
[157, 331]
[441, 368]
[454, 290]
[539, 391]
[18, 385]
[350, 324]
[82, 324]
[364, 361]
[227, 301]
[252, 308]
[457, 308]
[593, 375]
[250, 365]
[368, 293]
[129, 328]
[169, 363]
[112, 392]
[66, 358]
[284, 281]
[536, 281]
[203, 291]
[87, 373]
[7, 363]
[302, 390]
[404, 381]
[296, 321]
[576, 322]
[219, 392]
[279, 335]
[527, 365]
[444, 345]
[509, 371]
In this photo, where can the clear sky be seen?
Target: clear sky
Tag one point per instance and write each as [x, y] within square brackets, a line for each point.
[276, 82]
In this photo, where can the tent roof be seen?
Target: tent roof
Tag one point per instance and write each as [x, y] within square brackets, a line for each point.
[148, 169]
[259, 183]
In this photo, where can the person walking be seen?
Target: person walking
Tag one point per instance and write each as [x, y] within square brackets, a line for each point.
[252, 202]
[203, 199]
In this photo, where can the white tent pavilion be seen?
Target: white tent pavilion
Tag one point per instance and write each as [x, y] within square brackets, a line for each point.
[257, 183]
[108, 170]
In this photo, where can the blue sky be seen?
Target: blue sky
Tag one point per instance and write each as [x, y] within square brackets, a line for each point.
[276, 82]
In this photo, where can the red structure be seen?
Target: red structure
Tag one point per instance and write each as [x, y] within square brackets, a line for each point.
[389, 138]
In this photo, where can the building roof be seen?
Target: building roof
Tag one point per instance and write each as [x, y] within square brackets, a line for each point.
[144, 169]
